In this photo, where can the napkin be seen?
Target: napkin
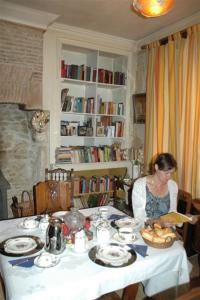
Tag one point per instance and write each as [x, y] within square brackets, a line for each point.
[140, 249]
[26, 262]
[116, 217]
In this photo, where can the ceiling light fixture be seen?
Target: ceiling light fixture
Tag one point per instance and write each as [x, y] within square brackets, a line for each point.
[152, 8]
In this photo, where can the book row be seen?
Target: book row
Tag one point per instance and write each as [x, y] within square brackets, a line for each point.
[98, 184]
[88, 73]
[87, 105]
[110, 108]
[93, 201]
[92, 154]
[78, 104]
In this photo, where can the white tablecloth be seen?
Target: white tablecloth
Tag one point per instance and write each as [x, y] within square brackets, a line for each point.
[76, 277]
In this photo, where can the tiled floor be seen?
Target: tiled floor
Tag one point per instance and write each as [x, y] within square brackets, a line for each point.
[168, 295]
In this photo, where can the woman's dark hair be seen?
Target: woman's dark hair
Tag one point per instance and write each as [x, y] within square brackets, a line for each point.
[164, 161]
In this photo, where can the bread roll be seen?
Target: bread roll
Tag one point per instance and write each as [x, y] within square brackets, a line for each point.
[157, 239]
[157, 225]
[158, 234]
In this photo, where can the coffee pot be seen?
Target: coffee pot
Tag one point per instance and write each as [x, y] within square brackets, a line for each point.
[54, 236]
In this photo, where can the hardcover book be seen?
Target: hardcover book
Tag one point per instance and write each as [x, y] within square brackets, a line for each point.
[175, 217]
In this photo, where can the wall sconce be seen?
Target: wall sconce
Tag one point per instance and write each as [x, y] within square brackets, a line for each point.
[152, 8]
[39, 120]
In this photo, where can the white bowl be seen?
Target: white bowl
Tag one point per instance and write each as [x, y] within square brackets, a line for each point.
[29, 223]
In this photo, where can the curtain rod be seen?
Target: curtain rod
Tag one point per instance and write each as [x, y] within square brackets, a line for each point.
[164, 40]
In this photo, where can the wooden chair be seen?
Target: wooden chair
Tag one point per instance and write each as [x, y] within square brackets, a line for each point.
[55, 193]
[184, 206]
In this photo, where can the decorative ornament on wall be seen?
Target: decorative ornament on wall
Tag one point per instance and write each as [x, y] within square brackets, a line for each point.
[39, 120]
[152, 8]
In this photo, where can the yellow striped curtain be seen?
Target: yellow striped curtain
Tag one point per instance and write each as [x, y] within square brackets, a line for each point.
[173, 105]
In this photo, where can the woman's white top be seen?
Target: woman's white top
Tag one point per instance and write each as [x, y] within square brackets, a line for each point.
[139, 197]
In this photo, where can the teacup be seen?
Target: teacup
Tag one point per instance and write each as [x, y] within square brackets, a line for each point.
[103, 212]
[126, 233]
[29, 223]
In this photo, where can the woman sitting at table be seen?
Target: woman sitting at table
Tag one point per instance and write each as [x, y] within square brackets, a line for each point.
[156, 194]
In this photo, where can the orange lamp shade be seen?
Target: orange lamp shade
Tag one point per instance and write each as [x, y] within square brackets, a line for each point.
[152, 8]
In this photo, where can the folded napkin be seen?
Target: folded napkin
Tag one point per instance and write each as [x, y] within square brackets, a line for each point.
[116, 217]
[25, 262]
[140, 249]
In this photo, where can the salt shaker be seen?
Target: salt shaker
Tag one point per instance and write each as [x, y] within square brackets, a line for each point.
[80, 241]
[103, 233]
[44, 223]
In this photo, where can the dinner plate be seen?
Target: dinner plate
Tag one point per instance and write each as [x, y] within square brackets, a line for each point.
[120, 240]
[22, 245]
[46, 260]
[112, 256]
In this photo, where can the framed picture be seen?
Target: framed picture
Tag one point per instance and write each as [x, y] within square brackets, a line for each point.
[82, 130]
[100, 131]
[139, 108]
[89, 131]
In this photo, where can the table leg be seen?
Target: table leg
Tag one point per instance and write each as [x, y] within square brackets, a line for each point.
[130, 292]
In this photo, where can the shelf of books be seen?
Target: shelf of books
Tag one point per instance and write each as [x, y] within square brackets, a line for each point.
[87, 98]
[97, 189]
[90, 154]
[93, 110]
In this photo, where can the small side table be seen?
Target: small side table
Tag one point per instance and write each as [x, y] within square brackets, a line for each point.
[196, 233]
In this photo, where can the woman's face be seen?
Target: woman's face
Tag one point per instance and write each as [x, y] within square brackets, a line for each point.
[164, 176]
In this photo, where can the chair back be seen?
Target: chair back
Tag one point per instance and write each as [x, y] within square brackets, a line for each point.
[55, 193]
[184, 206]
[58, 174]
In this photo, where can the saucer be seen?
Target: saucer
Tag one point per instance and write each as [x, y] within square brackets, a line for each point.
[29, 226]
[60, 214]
[46, 260]
[128, 222]
[120, 240]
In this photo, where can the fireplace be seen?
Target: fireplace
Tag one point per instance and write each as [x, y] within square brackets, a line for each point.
[4, 186]
[23, 152]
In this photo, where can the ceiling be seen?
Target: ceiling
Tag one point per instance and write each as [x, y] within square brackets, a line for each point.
[114, 17]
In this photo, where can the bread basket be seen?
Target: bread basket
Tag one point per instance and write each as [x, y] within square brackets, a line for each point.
[168, 243]
[168, 240]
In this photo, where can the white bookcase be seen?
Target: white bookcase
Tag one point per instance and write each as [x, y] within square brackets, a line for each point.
[87, 91]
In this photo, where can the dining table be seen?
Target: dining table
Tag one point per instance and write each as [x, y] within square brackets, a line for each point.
[78, 277]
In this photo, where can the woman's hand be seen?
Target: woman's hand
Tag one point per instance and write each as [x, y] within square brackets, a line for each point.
[194, 219]
[159, 221]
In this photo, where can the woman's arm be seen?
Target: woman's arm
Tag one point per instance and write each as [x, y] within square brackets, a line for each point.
[139, 199]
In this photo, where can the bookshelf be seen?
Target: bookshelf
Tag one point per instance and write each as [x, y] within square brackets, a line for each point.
[96, 187]
[87, 91]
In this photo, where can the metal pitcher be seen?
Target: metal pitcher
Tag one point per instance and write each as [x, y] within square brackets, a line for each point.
[54, 236]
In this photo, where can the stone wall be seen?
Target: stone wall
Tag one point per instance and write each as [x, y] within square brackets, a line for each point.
[21, 63]
[23, 152]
